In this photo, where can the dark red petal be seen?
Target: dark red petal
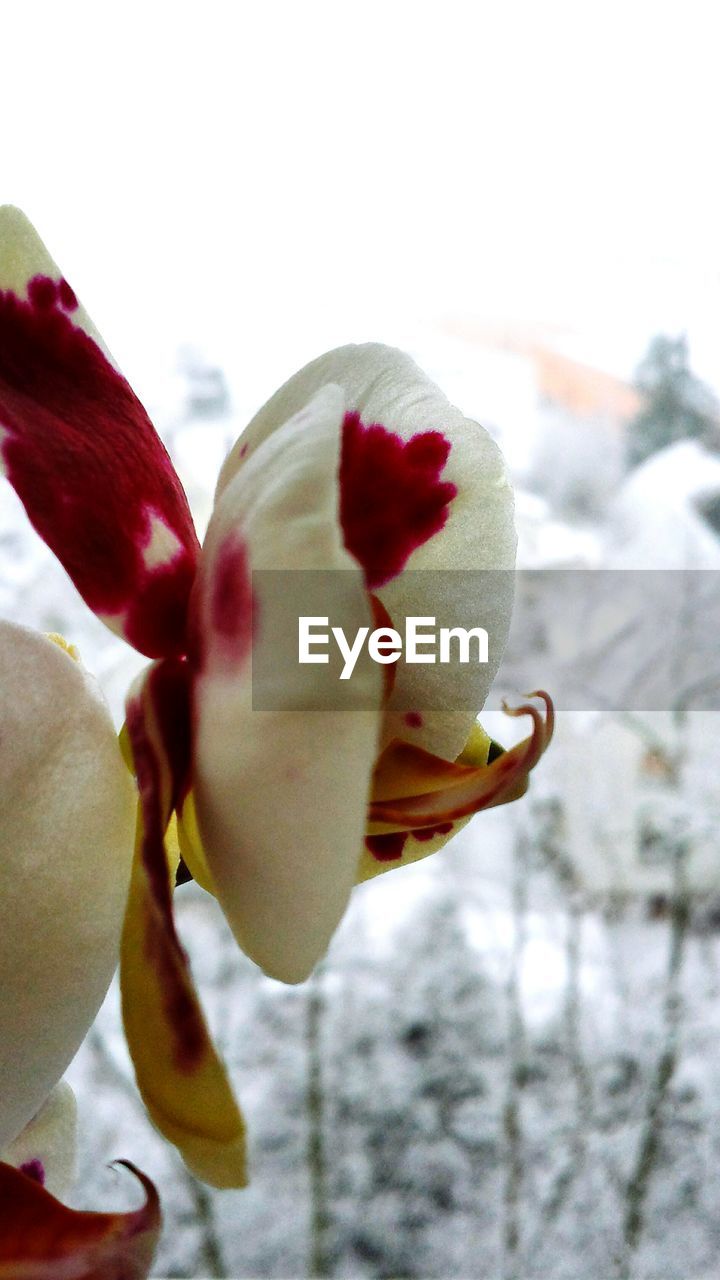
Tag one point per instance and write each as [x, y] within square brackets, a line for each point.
[96, 481]
[392, 499]
[41, 1239]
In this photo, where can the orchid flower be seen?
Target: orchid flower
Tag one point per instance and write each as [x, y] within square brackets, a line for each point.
[358, 464]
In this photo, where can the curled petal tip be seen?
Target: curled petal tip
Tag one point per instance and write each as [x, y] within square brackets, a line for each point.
[526, 709]
[546, 698]
[147, 1183]
[535, 693]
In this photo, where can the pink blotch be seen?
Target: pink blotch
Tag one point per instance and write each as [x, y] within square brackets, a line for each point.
[392, 499]
[34, 1169]
[413, 720]
[233, 608]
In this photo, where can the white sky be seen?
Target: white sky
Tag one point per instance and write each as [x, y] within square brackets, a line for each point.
[273, 178]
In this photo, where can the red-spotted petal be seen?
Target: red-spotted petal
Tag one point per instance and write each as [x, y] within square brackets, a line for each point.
[41, 1239]
[80, 450]
[424, 497]
[282, 789]
[180, 1076]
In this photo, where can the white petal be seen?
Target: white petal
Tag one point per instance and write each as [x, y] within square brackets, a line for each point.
[282, 794]
[50, 1142]
[67, 814]
[385, 386]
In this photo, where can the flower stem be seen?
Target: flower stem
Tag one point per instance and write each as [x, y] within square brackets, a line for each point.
[318, 1261]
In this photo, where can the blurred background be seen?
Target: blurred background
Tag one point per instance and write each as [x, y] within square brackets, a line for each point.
[508, 1066]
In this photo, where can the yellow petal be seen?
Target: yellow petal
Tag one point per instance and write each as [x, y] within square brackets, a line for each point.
[191, 847]
[406, 770]
[471, 789]
[394, 776]
[421, 801]
[180, 1076]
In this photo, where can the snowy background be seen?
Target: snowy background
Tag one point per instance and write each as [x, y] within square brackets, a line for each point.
[507, 1067]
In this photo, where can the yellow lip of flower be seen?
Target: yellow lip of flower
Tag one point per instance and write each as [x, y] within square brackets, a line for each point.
[457, 790]
[420, 801]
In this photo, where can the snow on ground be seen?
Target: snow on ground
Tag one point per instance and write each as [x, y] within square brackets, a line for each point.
[657, 521]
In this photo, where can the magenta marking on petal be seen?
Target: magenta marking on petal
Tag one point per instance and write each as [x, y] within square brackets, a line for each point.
[34, 1169]
[68, 300]
[388, 848]
[392, 499]
[233, 607]
[42, 292]
[427, 833]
